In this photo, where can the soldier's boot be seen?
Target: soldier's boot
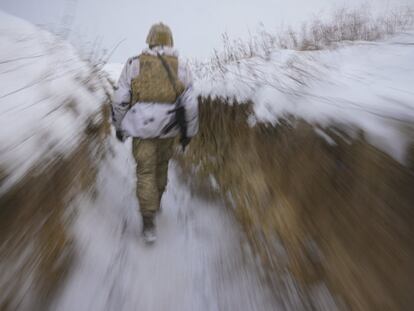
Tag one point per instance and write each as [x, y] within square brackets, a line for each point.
[148, 229]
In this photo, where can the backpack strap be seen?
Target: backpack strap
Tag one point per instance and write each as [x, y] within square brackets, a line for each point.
[179, 111]
[171, 76]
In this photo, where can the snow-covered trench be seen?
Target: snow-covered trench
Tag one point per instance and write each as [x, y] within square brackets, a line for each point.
[199, 262]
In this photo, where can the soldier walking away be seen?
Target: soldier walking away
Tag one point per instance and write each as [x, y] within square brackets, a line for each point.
[154, 104]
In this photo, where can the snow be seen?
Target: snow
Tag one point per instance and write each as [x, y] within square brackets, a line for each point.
[114, 70]
[47, 96]
[364, 84]
[325, 136]
[199, 262]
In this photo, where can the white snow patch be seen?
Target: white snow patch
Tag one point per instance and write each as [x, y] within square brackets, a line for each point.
[325, 136]
[47, 95]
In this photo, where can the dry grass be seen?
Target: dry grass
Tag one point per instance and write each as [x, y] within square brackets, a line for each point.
[36, 249]
[345, 25]
[343, 213]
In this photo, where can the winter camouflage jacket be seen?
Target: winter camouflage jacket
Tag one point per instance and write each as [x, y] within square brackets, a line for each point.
[148, 119]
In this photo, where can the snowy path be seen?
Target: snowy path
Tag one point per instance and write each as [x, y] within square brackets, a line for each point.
[196, 264]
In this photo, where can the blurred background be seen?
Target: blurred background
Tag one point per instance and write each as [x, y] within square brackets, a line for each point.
[296, 194]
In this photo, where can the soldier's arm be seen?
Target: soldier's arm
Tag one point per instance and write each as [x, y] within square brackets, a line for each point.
[122, 95]
[189, 100]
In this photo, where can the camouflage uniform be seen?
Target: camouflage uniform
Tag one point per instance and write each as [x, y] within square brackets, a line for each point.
[152, 156]
[141, 109]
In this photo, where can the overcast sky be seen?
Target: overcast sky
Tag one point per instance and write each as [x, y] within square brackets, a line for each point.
[197, 25]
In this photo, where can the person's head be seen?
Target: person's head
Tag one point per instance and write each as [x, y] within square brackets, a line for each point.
[160, 35]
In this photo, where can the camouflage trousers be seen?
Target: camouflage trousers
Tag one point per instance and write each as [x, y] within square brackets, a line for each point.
[152, 157]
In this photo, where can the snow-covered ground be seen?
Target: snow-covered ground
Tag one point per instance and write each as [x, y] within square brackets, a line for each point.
[198, 263]
[47, 96]
[365, 84]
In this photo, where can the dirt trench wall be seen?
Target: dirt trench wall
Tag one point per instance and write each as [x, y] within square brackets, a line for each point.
[36, 249]
[343, 212]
